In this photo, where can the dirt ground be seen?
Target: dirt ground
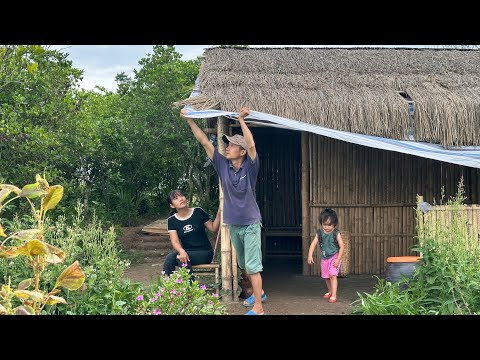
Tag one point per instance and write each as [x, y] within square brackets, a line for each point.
[288, 291]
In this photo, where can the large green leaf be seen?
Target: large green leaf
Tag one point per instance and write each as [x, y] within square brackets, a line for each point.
[13, 188]
[10, 252]
[3, 194]
[25, 235]
[54, 255]
[24, 284]
[24, 310]
[29, 294]
[55, 194]
[55, 300]
[33, 247]
[32, 191]
[71, 278]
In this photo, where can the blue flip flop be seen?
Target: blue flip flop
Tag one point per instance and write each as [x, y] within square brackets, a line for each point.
[251, 312]
[251, 300]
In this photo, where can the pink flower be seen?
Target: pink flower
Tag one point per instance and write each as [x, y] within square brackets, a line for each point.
[140, 298]
[203, 287]
[184, 265]
[156, 312]
[173, 291]
[215, 295]
[179, 280]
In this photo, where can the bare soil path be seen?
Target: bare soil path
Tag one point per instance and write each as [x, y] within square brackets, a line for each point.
[288, 291]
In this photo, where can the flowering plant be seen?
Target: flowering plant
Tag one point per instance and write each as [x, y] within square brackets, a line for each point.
[178, 294]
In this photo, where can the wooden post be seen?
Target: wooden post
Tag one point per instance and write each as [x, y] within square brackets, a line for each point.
[420, 221]
[225, 245]
[305, 200]
[234, 253]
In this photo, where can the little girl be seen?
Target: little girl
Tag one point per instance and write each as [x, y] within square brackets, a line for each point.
[331, 246]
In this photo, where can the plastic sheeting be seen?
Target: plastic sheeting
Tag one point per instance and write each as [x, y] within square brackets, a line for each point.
[466, 156]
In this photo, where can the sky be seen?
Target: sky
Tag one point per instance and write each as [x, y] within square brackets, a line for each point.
[101, 63]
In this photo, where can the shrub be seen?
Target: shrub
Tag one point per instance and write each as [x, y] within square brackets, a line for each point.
[177, 294]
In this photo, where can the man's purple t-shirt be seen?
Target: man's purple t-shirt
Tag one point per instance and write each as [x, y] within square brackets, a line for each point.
[240, 205]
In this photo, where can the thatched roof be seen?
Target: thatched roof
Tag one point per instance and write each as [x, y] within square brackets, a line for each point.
[355, 90]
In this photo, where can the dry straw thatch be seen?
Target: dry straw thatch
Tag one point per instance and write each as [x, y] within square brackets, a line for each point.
[354, 90]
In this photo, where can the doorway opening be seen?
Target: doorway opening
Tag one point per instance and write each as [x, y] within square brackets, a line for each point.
[283, 254]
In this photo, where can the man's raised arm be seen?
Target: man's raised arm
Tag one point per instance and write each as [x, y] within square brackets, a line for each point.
[199, 135]
[252, 151]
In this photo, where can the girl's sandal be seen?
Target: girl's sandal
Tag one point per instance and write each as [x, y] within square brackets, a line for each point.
[327, 295]
[332, 300]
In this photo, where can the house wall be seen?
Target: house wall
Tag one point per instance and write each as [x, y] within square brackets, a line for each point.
[374, 194]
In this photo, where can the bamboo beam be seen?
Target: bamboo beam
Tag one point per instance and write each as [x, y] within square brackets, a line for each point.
[234, 253]
[305, 201]
[313, 205]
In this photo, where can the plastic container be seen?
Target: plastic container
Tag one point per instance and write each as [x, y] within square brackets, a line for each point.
[396, 266]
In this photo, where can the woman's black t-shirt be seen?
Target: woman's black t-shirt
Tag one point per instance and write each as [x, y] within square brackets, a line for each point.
[191, 231]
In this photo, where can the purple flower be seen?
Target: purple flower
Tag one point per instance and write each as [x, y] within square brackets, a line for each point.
[173, 291]
[215, 295]
[156, 312]
[203, 287]
[179, 280]
[140, 298]
[153, 299]
[184, 265]
[179, 294]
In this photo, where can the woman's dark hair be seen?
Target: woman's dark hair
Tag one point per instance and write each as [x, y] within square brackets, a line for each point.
[328, 214]
[170, 197]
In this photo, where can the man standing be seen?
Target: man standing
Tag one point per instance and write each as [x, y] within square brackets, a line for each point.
[238, 171]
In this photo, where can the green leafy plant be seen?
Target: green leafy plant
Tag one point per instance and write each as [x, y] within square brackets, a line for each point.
[29, 242]
[177, 294]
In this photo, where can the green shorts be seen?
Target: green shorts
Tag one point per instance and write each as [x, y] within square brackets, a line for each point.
[247, 241]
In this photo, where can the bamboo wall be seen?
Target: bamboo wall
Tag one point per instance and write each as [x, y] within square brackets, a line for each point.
[441, 215]
[374, 194]
[279, 180]
[373, 191]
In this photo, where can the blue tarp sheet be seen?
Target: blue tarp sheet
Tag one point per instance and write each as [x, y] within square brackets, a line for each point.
[466, 156]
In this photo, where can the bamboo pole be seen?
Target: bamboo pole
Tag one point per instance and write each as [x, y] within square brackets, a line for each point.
[305, 201]
[234, 253]
[226, 247]
[420, 222]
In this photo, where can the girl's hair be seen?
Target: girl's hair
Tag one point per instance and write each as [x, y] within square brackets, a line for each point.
[328, 214]
[170, 197]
